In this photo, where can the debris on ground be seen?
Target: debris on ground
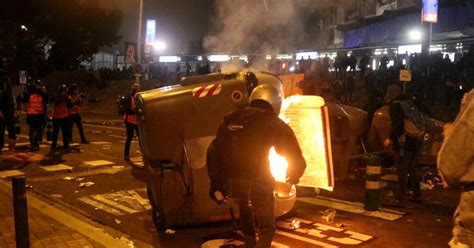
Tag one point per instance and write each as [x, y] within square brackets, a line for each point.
[118, 221]
[106, 147]
[383, 184]
[128, 242]
[118, 167]
[79, 179]
[329, 215]
[58, 196]
[68, 178]
[28, 186]
[169, 231]
[295, 224]
[351, 176]
[77, 191]
[86, 184]
[428, 185]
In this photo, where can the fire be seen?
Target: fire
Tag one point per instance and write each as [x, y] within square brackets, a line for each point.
[307, 118]
[278, 165]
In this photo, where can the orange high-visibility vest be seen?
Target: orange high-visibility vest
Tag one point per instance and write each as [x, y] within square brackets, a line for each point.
[60, 110]
[131, 118]
[35, 105]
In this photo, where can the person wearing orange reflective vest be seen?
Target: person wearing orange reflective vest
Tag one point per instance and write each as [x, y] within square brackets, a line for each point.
[60, 117]
[36, 112]
[74, 116]
[131, 123]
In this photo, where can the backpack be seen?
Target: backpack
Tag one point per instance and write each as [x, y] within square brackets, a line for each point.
[414, 122]
[121, 105]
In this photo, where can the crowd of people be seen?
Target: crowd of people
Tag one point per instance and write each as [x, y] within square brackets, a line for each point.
[35, 101]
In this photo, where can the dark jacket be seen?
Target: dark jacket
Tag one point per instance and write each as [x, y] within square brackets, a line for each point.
[128, 105]
[7, 102]
[398, 127]
[238, 158]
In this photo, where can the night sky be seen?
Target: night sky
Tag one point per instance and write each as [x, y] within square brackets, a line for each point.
[179, 22]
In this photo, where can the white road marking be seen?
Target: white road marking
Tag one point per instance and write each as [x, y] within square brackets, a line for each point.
[278, 245]
[124, 202]
[22, 144]
[101, 206]
[11, 173]
[98, 163]
[351, 207]
[108, 127]
[304, 239]
[359, 236]
[58, 167]
[114, 204]
[117, 136]
[352, 238]
[345, 241]
[81, 174]
[100, 143]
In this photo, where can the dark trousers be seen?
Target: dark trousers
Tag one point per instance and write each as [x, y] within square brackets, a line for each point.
[260, 210]
[76, 119]
[36, 134]
[8, 122]
[131, 129]
[63, 125]
[407, 175]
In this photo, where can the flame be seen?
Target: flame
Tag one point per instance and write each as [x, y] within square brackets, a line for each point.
[278, 165]
[305, 117]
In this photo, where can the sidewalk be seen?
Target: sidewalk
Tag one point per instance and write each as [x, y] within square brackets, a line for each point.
[44, 231]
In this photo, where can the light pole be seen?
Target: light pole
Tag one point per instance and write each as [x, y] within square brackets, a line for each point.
[139, 38]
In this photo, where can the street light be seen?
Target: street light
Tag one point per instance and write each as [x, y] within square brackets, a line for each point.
[139, 48]
[158, 46]
[415, 35]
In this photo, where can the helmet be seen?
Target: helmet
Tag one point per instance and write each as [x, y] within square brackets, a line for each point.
[73, 88]
[268, 94]
[62, 88]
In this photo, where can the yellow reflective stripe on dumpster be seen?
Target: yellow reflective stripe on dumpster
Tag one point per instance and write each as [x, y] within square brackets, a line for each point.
[372, 185]
[374, 170]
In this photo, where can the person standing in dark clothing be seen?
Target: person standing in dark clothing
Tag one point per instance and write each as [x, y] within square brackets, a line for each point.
[36, 99]
[406, 148]
[363, 64]
[74, 116]
[384, 62]
[131, 123]
[238, 164]
[60, 117]
[7, 112]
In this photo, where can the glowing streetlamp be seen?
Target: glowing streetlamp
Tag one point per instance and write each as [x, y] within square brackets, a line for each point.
[415, 35]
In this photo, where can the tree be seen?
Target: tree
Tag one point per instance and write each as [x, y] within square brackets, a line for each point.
[55, 33]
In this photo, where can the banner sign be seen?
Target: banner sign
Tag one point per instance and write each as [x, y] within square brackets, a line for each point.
[429, 12]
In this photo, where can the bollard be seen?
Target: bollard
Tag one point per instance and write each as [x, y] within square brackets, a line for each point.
[372, 183]
[20, 211]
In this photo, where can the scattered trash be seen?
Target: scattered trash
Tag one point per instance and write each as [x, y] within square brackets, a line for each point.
[295, 224]
[169, 231]
[118, 221]
[383, 184]
[96, 209]
[106, 147]
[427, 185]
[28, 186]
[68, 178]
[86, 184]
[329, 215]
[351, 176]
[438, 220]
[409, 220]
[390, 194]
[58, 196]
[77, 191]
[118, 167]
[342, 225]
[79, 179]
[138, 152]
[128, 242]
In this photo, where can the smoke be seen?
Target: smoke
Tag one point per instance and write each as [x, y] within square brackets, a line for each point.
[262, 26]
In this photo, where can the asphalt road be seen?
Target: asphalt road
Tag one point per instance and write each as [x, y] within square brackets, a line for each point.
[118, 199]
